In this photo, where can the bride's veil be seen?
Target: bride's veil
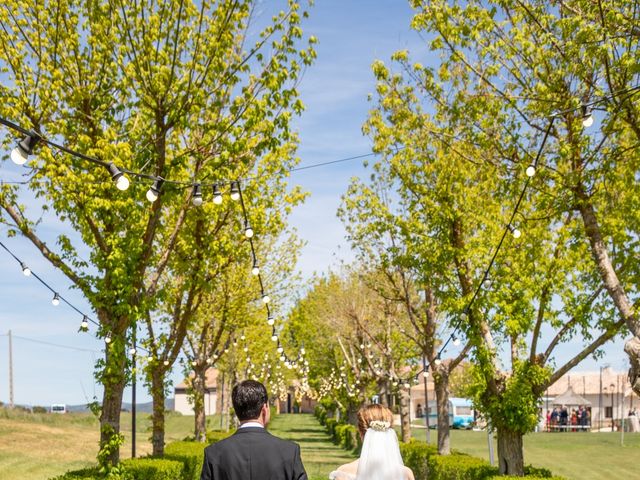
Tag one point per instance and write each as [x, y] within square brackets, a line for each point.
[380, 458]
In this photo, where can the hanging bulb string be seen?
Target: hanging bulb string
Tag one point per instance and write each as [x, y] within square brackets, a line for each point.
[55, 292]
[13, 126]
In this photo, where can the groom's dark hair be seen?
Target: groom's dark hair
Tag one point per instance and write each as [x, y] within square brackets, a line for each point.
[248, 397]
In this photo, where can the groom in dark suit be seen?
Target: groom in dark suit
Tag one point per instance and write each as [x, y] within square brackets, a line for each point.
[252, 453]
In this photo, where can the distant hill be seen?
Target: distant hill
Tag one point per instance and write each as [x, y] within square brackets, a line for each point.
[126, 406]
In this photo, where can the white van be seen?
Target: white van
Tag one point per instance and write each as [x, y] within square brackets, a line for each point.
[58, 408]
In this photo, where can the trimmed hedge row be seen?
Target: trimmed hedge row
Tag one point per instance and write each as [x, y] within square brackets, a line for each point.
[423, 459]
[181, 461]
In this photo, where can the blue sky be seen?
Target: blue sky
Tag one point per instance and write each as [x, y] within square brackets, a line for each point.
[351, 34]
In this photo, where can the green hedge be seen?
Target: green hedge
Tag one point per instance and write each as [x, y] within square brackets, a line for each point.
[459, 467]
[527, 477]
[415, 455]
[347, 436]
[190, 454]
[152, 469]
[217, 435]
[84, 474]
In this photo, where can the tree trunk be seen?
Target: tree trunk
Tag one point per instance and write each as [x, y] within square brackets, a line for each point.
[198, 392]
[114, 380]
[510, 452]
[613, 286]
[157, 394]
[405, 415]
[441, 385]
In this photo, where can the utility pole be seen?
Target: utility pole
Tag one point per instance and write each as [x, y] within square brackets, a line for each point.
[426, 397]
[10, 372]
[133, 395]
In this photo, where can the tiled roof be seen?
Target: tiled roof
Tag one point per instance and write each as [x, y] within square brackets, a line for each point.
[211, 381]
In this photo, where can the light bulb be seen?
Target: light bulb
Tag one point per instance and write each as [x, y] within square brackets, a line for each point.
[425, 374]
[437, 361]
[154, 191]
[242, 337]
[166, 363]
[587, 116]
[270, 321]
[84, 324]
[55, 301]
[456, 341]
[248, 231]
[150, 358]
[194, 363]
[246, 349]
[280, 349]
[235, 191]
[302, 351]
[197, 195]
[217, 195]
[463, 316]
[274, 337]
[107, 339]
[266, 299]
[132, 351]
[407, 385]
[20, 154]
[517, 233]
[255, 270]
[531, 171]
[26, 271]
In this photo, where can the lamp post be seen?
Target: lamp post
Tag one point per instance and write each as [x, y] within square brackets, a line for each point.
[612, 389]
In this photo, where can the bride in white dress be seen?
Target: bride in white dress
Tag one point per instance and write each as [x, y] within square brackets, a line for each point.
[380, 457]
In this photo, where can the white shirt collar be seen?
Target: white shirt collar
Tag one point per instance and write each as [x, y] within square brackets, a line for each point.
[251, 424]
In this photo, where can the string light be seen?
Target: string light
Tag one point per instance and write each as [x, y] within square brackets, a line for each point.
[266, 299]
[154, 191]
[166, 363]
[587, 116]
[122, 182]
[270, 321]
[217, 195]
[55, 301]
[20, 154]
[197, 195]
[248, 231]
[132, 351]
[456, 341]
[235, 191]
[514, 231]
[438, 360]
[84, 325]
[531, 170]
[255, 270]
[107, 339]
[25, 270]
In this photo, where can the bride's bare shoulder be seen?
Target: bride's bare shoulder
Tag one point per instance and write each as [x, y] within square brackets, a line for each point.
[408, 474]
[351, 468]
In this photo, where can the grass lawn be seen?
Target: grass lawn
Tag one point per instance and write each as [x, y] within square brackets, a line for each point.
[40, 446]
[319, 455]
[575, 456]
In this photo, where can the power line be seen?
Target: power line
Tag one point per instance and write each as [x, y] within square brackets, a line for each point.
[51, 344]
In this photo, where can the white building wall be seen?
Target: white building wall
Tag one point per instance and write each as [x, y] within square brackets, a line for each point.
[185, 407]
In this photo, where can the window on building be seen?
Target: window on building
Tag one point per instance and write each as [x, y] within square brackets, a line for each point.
[608, 412]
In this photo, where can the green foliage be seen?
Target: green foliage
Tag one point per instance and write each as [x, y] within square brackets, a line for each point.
[217, 435]
[108, 448]
[415, 455]
[190, 454]
[39, 409]
[84, 474]
[347, 436]
[153, 469]
[459, 467]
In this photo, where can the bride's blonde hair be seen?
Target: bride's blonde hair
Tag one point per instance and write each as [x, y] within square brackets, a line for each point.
[371, 413]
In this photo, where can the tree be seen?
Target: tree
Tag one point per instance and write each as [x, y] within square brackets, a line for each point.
[494, 90]
[167, 89]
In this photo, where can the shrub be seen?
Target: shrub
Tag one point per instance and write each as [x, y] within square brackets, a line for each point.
[415, 455]
[347, 436]
[214, 436]
[531, 471]
[459, 467]
[39, 409]
[190, 454]
[330, 424]
[84, 474]
[527, 477]
[152, 469]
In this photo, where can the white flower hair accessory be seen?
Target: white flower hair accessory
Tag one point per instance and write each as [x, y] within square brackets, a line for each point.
[379, 425]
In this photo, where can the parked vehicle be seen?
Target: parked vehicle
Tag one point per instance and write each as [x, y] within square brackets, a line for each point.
[461, 414]
[58, 408]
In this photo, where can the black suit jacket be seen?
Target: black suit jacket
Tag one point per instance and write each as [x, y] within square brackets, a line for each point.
[252, 453]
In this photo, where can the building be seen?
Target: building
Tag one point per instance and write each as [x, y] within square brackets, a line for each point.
[608, 392]
[183, 403]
